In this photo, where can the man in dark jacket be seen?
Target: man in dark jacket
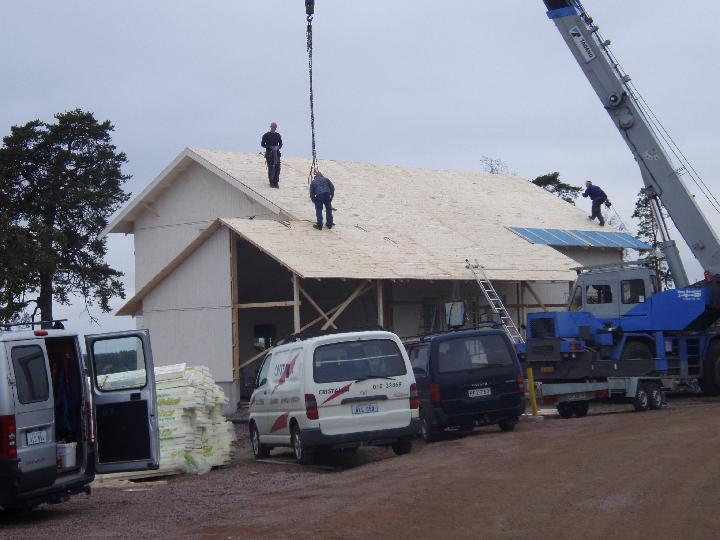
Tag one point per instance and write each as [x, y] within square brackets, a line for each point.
[322, 192]
[598, 197]
[272, 143]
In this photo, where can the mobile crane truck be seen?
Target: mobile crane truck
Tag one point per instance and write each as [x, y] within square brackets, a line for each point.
[621, 336]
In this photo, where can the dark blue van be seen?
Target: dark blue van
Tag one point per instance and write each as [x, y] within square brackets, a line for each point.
[465, 379]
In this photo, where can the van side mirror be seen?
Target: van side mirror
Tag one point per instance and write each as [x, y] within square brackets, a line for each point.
[419, 372]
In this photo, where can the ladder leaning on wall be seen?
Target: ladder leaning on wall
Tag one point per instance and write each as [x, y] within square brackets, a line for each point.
[493, 298]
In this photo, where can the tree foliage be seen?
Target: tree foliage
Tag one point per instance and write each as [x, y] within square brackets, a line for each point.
[494, 165]
[551, 182]
[648, 232]
[59, 184]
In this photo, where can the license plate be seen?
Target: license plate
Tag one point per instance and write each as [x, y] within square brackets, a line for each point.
[365, 408]
[479, 392]
[36, 437]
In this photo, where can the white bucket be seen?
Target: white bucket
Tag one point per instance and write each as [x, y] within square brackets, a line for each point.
[67, 455]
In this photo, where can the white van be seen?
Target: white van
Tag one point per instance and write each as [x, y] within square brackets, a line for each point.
[336, 390]
[61, 422]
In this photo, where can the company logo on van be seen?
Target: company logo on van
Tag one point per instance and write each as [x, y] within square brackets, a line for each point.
[286, 372]
[337, 392]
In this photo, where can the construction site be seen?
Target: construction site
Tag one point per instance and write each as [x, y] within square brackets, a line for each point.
[346, 348]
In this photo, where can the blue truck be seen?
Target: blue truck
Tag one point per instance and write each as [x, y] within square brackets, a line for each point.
[622, 336]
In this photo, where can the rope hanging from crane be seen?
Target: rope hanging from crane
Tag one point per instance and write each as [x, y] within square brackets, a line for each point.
[310, 11]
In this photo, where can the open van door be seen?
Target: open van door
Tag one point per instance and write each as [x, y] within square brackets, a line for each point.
[124, 401]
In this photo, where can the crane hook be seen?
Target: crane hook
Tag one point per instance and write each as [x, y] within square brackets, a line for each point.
[310, 7]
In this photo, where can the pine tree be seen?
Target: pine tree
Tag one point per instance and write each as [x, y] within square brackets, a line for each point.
[551, 182]
[59, 184]
[648, 232]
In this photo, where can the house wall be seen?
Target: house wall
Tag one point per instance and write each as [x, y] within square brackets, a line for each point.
[193, 200]
[189, 314]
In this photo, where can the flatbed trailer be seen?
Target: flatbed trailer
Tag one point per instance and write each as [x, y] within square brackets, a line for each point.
[573, 398]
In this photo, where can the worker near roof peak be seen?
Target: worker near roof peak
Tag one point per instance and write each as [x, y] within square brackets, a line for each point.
[272, 143]
[598, 197]
[322, 192]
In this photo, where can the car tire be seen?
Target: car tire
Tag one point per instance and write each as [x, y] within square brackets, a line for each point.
[425, 430]
[580, 408]
[655, 397]
[302, 454]
[403, 446]
[507, 424]
[565, 409]
[642, 399]
[260, 451]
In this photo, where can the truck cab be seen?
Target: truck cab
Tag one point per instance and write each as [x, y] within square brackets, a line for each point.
[63, 419]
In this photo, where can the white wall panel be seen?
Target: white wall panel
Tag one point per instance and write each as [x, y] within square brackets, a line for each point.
[192, 200]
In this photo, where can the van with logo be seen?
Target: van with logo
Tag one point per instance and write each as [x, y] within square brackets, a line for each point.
[335, 390]
[62, 421]
[467, 378]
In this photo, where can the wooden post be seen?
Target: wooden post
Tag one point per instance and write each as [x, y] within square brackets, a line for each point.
[296, 299]
[535, 296]
[380, 304]
[357, 292]
[235, 325]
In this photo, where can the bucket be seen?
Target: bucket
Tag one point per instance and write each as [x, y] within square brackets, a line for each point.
[67, 455]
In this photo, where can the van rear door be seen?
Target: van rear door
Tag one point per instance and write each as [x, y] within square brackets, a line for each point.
[124, 401]
[362, 385]
[32, 393]
[477, 373]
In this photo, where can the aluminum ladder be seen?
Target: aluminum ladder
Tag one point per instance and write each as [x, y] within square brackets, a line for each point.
[493, 298]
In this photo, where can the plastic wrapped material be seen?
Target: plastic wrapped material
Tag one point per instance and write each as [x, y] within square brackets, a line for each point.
[194, 434]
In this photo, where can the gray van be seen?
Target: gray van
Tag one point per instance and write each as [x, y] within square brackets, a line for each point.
[62, 421]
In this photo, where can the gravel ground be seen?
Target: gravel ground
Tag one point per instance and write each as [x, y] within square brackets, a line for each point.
[613, 473]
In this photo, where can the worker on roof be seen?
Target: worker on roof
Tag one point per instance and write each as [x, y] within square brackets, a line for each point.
[322, 192]
[598, 197]
[272, 143]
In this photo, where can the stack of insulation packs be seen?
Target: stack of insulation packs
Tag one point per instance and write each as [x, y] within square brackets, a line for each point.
[194, 435]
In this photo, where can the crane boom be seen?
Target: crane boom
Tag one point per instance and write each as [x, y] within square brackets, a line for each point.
[662, 180]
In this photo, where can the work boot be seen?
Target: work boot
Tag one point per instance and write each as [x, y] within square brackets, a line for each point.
[602, 223]
[590, 218]
[318, 227]
[329, 225]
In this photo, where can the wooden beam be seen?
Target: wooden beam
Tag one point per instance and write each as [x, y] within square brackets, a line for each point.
[357, 292]
[235, 315]
[380, 304]
[296, 303]
[535, 296]
[315, 305]
[306, 326]
[256, 305]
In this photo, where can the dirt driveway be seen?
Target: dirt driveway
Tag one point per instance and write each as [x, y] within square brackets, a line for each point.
[614, 473]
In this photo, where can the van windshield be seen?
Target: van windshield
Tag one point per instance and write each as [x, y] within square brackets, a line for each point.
[473, 353]
[353, 360]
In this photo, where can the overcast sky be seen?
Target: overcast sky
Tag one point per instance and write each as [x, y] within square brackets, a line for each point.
[409, 82]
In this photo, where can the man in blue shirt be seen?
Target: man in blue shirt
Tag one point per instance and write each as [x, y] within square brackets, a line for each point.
[322, 192]
[272, 143]
[598, 197]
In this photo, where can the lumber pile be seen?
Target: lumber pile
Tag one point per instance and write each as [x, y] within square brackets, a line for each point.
[194, 434]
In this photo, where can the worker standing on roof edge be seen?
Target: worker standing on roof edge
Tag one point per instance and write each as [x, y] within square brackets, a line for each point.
[322, 192]
[272, 143]
[598, 197]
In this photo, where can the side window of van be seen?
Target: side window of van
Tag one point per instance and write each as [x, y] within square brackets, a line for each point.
[262, 374]
[31, 378]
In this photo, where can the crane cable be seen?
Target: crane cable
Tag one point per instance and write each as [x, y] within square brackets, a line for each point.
[310, 11]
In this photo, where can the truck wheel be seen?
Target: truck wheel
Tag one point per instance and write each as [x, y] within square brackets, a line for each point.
[580, 408]
[710, 382]
[403, 446]
[636, 350]
[303, 454]
[641, 401]
[260, 451]
[565, 409]
[655, 396]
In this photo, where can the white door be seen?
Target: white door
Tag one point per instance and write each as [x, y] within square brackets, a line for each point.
[259, 400]
[124, 401]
